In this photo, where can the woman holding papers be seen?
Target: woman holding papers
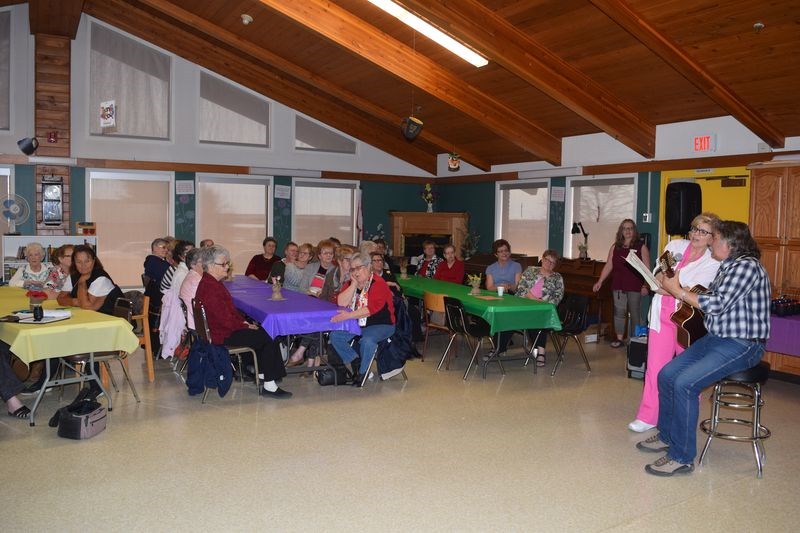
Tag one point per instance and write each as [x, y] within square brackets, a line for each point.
[626, 284]
[696, 267]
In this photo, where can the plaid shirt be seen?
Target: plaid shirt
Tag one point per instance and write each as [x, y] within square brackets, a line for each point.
[737, 304]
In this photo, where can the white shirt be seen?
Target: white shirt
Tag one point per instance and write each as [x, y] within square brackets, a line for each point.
[99, 287]
[698, 272]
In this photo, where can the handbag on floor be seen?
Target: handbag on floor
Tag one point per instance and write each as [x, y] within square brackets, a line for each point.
[333, 375]
[81, 420]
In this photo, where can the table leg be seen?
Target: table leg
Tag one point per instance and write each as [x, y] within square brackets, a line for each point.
[40, 395]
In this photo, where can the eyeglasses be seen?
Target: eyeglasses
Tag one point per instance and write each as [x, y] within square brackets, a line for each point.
[357, 267]
[226, 264]
[700, 231]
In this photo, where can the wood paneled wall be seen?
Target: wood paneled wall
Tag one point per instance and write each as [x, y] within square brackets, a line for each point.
[52, 121]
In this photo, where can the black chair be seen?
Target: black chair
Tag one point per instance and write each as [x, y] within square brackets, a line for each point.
[454, 319]
[573, 314]
[471, 326]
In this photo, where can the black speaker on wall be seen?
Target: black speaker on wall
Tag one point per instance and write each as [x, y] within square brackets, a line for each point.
[683, 202]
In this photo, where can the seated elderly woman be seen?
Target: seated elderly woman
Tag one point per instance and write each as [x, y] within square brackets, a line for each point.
[325, 254]
[34, 275]
[89, 287]
[261, 264]
[289, 256]
[179, 252]
[188, 290]
[452, 268]
[504, 272]
[368, 299]
[10, 386]
[228, 326]
[298, 274]
[545, 284]
[336, 276]
[62, 261]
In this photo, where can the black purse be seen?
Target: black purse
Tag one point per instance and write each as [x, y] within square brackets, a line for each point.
[333, 375]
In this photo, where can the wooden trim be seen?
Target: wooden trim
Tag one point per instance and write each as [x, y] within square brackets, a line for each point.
[388, 178]
[740, 160]
[363, 39]
[122, 164]
[674, 56]
[521, 55]
[276, 61]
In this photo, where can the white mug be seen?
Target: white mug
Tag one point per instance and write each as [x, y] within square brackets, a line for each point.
[500, 290]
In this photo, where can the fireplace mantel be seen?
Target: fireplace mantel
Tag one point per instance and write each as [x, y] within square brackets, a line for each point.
[453, 225]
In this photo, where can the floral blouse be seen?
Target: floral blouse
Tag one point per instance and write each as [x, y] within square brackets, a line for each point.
[552, 290]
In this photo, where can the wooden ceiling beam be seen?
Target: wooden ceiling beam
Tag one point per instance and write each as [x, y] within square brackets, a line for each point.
[55, 17]
[262, 79]
[674, 56]
[363, 39]
[514, 50]
[334, 90]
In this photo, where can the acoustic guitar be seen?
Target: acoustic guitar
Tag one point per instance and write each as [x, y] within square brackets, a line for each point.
[688, 319]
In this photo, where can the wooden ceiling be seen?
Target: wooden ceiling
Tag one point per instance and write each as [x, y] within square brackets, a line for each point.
[557, 68]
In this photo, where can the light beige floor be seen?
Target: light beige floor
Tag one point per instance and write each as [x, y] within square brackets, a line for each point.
[513, 453]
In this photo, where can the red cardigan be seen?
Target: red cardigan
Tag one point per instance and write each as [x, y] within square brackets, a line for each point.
[223, 317]
[454, 274]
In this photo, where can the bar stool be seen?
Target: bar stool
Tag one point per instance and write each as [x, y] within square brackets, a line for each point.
[727, 393]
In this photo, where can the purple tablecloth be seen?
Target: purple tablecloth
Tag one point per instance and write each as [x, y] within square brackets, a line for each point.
[298, 313]
[784, 335]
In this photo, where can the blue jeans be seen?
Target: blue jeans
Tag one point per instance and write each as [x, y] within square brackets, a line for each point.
[680, 382]
[370, 337]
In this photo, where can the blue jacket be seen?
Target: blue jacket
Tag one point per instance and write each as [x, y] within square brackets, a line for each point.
[209, 366]
[394, 351]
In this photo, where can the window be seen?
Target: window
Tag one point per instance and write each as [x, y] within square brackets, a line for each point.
[233, 212]
[130, 209]
[600, 204]
[231, 115]
[5, 181]
[5, 69]
[136, 78]
[312, 137]
[322, 209]
[522, 215]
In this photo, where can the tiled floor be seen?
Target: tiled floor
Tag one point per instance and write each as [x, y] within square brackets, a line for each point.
[515, 452]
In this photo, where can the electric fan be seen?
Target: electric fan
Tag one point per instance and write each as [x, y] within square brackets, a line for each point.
[16, 211]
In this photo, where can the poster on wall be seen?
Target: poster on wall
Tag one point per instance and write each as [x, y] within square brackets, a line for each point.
[108, 114]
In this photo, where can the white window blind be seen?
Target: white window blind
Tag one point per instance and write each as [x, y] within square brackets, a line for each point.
[322, 209]
[230, 115]
[523, 210]
[310, 136]
[600, 205]
[130, 211]
[233, 212]
[136, 77]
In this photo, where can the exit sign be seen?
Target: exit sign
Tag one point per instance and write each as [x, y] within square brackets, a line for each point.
[704, 143]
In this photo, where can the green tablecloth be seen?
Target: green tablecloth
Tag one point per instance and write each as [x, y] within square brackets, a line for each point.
[506, 314]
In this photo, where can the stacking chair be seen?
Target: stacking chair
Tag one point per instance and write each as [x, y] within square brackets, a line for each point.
[203, 333]
[122, 309]
[473, 327]
[144, 336]
[372, 360]
[454, 318]
[573, 314]
[432, 303]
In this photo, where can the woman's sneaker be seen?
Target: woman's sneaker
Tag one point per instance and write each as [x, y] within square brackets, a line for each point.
[639, 426]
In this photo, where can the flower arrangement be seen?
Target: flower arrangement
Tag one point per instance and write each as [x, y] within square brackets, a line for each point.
[473, 278]
[379, 233]
[469, 244]
[36, 295]
[427, 194]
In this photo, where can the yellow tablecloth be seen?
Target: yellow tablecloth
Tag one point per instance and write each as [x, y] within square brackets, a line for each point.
[86, 331]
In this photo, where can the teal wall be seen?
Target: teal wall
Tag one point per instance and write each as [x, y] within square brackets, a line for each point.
[185, 210]
[477, 199]
[641, 207]
[555, 238]
[282, 215]
[77, 196]
[378, 198]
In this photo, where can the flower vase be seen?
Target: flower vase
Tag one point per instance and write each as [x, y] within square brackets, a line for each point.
[476, 288]
[276, 292]
[37, 309]
[430, 207]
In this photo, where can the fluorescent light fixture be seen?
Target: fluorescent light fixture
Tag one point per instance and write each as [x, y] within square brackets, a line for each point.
[431, 32]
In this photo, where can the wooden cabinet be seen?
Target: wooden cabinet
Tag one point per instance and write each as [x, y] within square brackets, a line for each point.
[775, 223]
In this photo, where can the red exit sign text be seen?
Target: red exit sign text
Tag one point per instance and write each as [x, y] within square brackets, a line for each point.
[704, 143]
